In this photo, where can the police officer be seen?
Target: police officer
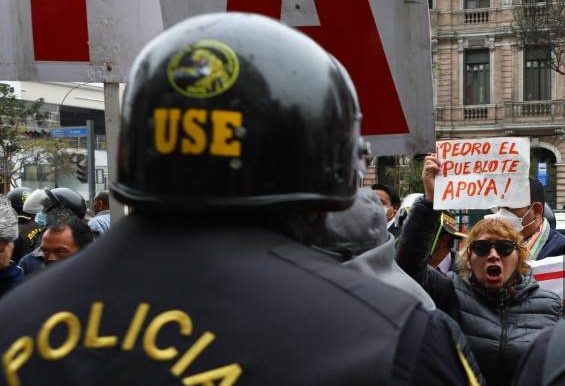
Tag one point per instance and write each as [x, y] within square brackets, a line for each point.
[45, 200]
[238, 135]
[29, 230]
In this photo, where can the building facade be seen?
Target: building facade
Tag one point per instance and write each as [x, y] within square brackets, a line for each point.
[487, 84]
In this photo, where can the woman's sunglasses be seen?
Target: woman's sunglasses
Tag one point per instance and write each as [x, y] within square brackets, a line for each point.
[503, 247]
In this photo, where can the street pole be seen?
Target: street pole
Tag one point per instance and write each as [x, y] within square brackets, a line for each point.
[112, 118]
[91, 159]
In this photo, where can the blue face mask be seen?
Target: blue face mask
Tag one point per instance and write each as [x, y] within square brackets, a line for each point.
[40, 219]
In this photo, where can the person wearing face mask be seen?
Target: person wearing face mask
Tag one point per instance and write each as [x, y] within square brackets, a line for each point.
[492, 294]
[391, 202]
[542, 241]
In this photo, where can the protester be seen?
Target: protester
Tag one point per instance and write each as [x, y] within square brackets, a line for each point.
[100, 223]
[543, 364]
[529, 220]
[391, 202]
[493, 296]
[64, 235]
[10, 274]
[232, 149]
[45, 202]
[29, 230]
[404, 210]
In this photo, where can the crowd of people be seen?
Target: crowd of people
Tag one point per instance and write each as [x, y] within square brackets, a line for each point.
[61, 229]
[250, 256]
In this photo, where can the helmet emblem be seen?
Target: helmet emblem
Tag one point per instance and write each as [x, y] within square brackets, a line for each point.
[203, 69]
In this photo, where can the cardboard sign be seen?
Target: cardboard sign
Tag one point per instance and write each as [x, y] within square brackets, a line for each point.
[483, 173]
[549, 273]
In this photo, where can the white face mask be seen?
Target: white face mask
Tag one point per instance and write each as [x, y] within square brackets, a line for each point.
[506, 215]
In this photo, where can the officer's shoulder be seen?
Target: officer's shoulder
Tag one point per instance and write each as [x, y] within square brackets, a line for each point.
[373, 293]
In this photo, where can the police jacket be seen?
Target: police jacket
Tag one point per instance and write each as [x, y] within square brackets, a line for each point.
[161, 302]
[29, 237]
[499, 328]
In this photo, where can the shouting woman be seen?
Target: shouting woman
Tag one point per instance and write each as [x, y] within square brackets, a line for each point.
[492, 295]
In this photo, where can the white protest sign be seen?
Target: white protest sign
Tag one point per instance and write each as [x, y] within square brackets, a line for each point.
[482, 173]
[549, 273]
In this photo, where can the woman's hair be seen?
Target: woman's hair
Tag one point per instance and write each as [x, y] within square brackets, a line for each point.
[498, 228]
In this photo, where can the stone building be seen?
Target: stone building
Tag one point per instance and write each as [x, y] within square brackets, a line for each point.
[487, 84]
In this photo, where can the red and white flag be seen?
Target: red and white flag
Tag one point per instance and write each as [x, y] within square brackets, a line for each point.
[384, 44]
[549, 273]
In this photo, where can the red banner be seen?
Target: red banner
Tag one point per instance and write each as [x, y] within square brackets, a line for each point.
[60, 30]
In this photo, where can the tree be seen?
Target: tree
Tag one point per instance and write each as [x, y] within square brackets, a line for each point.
[540, 25]
[15, 115]
[407, 175]
[18, 149]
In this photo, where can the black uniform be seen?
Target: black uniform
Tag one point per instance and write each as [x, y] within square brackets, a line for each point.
[246, 306]
[29, 237]
[543, 364]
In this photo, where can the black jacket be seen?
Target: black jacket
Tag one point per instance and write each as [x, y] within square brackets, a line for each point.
[499, 330]
[159, 302]
[554, 245]
[28, 239]
[543, 364]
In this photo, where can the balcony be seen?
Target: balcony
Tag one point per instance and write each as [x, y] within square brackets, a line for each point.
[445, 22]
[476, 16]
[539, 111]
[466, 115]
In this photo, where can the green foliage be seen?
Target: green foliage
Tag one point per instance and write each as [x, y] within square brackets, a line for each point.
[15, 116]
[16, 149]
[407, 177]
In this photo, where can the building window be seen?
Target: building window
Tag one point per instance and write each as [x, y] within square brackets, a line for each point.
[477, 77]
[537, 75]
[472, 4]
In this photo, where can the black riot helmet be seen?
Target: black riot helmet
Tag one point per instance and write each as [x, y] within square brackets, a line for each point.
[45, 200]
[237, 111]
[17, 198]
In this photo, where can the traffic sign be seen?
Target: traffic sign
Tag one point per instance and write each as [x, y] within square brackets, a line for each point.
[384, 44]
[542, 173]
[69, 132]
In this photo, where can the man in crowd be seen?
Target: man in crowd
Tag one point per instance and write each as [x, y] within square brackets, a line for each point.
[232, 151]
[100, 223]
[391, 202]
[63, 236]
[529, 220]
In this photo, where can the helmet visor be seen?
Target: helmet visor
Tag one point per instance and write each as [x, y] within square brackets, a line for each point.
[40, 200]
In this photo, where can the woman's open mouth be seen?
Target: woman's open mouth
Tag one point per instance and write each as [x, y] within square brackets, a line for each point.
[494, 273]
